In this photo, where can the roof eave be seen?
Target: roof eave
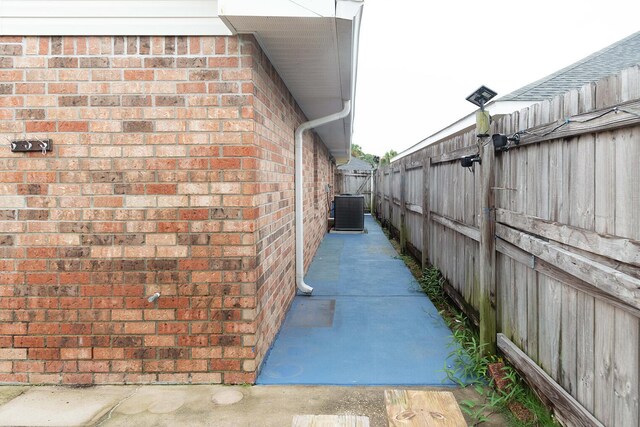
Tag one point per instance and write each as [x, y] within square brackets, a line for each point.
[314, 49]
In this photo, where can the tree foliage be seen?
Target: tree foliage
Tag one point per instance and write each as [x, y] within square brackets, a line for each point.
[356, 151]
[386, 159]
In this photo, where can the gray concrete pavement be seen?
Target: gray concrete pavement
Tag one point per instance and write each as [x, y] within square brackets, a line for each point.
[192, 405]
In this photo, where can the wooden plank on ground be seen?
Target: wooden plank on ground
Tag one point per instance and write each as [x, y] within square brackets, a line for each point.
[566, 407]
[422, 409]
[330, 421]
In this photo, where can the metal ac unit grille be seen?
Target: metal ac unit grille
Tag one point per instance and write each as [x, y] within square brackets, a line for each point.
[349, 214]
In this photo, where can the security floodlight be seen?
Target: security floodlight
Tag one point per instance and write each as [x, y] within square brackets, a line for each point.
[468, 161]
[481, 96]
[499, 141]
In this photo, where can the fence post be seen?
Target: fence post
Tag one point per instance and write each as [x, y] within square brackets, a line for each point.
[372, 178]
[487, 252]
[391, 205]
[403, 207]
[426, 208]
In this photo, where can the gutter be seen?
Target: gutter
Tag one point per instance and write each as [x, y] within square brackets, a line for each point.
[299, 133]
[299, 183]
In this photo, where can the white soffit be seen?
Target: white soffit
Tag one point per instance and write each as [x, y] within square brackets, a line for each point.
[111, 17]
[312, 51]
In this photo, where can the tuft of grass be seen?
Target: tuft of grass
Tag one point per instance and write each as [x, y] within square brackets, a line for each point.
[469, 366]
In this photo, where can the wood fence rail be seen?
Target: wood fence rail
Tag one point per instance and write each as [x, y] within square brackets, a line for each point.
[541, 243]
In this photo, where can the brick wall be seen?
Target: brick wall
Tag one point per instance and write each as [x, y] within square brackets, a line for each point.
[172, 172]
[277, 116]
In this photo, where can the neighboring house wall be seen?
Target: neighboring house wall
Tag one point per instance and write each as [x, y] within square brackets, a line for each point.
[168, 156]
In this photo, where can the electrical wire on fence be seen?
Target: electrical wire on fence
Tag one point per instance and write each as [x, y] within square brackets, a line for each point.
[567, 121]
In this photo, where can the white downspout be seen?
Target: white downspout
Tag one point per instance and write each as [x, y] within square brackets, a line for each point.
[299, 182]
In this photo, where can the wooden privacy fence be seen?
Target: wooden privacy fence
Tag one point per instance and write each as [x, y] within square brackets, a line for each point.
[356, 182]
[540, 244]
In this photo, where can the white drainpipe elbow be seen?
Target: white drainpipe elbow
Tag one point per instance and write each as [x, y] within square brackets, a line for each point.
[299, 200]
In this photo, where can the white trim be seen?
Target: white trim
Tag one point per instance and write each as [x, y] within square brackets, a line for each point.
[113, 27]
[278, 8]
[496, 108]
[111, 18]
[109, 8]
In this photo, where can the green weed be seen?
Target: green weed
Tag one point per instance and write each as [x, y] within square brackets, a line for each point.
[469, 367]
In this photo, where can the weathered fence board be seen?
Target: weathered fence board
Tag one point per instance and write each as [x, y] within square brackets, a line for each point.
[572, 411]
[355, 182]
[566, 260]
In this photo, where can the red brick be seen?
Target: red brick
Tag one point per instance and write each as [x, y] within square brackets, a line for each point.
[14, 328]
[223, 62]
[240, 151]
[68, 378]
[223, 163]
[29, 88]
[41, 126]
[64, 88]
[73, 126]
[194, 214]
[138, 74]
[44, 353]
[191, 88]
[161, 188]
[30, 366]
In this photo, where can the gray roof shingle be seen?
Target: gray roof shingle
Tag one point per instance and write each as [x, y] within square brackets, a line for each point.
[356, 164]
[618, 56]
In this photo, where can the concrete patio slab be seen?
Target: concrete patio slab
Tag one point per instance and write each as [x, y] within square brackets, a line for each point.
[61, 406]
[197, 405]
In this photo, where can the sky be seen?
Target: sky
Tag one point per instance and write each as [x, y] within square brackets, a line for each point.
[419, 59]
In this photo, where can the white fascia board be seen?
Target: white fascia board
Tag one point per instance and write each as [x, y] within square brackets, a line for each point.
[109, 8]
[278, 8]
[496, 108]
[348, 9]
[114, 27]
[111, 18]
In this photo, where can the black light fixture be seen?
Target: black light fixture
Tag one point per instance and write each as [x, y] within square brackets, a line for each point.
[481, 96]
[468, 161]
[501, 142]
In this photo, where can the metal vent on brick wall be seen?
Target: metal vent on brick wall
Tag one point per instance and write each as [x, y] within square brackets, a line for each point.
[349, 213]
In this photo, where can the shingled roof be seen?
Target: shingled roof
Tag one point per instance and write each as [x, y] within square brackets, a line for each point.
[356, 164]
[620, 55]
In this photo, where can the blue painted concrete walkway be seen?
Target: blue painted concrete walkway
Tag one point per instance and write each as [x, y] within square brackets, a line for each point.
[367, 322]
